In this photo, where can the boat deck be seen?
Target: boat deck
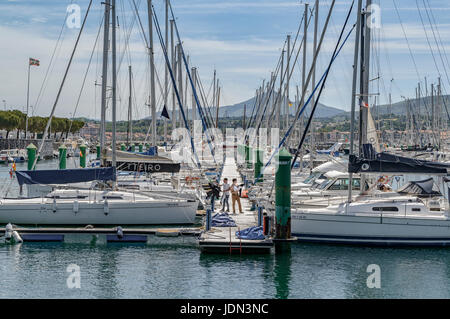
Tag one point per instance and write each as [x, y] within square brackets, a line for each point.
[223, 239]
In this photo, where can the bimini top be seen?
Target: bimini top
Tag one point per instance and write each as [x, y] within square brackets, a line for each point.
[420, 188]
[66, 176]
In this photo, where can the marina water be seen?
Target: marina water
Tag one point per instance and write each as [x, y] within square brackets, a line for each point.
[175, 268]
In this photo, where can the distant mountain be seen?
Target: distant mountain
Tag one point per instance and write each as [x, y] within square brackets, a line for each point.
[237, 110]
[423, 105]
[324, 111]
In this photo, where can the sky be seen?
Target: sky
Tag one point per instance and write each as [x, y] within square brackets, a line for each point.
[241, 39]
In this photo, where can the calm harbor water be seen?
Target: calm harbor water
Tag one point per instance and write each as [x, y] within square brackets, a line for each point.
[175, 268]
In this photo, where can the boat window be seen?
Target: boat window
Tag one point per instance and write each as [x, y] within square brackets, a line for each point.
[416, 209]
[67, 197]
[356, 184]
[340, 185]
[324, 184]
[311, 178]
[112, 197]
[385, 209]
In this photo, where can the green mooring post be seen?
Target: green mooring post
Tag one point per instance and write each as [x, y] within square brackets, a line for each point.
[83, 155]
[248, 163]
[31, 151]
[147, 146]
[99, 151]
[283, 195]
[259, 158]
[141, 148]
[133, 147]
[62, 156]
[123, 147]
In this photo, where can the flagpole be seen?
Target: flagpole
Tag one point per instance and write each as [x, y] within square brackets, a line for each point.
[28, 100]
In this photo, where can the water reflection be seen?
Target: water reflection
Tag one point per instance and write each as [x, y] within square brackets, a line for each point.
[155, 270]
[282, 272]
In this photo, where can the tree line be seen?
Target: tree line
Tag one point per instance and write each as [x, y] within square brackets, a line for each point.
[16, 120]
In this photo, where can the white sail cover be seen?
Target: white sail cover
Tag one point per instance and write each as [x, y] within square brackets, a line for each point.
[372, 136]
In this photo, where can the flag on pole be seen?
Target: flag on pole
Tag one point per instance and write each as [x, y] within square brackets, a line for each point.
[364, 104]
[164, 113]
[34, 62]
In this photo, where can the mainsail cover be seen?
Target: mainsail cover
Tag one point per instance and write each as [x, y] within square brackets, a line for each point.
[66, 176]
[373, 162]
[135, 162]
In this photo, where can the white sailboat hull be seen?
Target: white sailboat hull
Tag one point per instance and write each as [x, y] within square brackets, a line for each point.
[112, 213]
[371, 230]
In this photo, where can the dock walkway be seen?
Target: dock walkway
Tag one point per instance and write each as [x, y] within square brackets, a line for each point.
[223, 239]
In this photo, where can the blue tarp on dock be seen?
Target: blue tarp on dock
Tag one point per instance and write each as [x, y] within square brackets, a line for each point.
[222, 220]
[252, 233]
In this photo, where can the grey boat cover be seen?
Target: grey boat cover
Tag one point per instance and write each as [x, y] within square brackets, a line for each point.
[420, 188]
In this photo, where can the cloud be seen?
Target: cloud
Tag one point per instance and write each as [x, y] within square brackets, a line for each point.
[39, 20]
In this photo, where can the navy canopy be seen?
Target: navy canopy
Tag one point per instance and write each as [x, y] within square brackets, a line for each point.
[66, 176]
[373, 162]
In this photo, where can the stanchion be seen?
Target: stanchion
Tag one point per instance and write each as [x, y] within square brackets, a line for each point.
[208, 219]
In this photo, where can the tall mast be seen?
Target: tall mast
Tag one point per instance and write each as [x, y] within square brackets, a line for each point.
[440, 115]
[173, 55]
[104, 74]
[166, 70]
[194, 109]
[313, 80]
[152, 72]
[270, 92]
[28, 102]
[130, 114]
[214, 91]
[180, 82]
[355, 77]
[114, 81]
[433, 112]
[390, 117]
[186, 85]
[281, 94]
[305, 42]
[217, 101]
[419, 95]
[245, 111]
[288, 67]
[365, 73]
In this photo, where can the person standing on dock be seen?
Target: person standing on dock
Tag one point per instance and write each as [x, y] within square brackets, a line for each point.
[235, 196]
[226, 195]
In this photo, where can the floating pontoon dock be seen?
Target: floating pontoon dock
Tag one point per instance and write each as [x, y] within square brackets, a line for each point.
[99, 235]
[223, 239]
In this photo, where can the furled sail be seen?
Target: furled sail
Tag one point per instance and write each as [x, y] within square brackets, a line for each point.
[66, 176]
[372, 136]
[373, 162]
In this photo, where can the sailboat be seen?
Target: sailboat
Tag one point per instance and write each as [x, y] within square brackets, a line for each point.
[416, 215]
[105, 206]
